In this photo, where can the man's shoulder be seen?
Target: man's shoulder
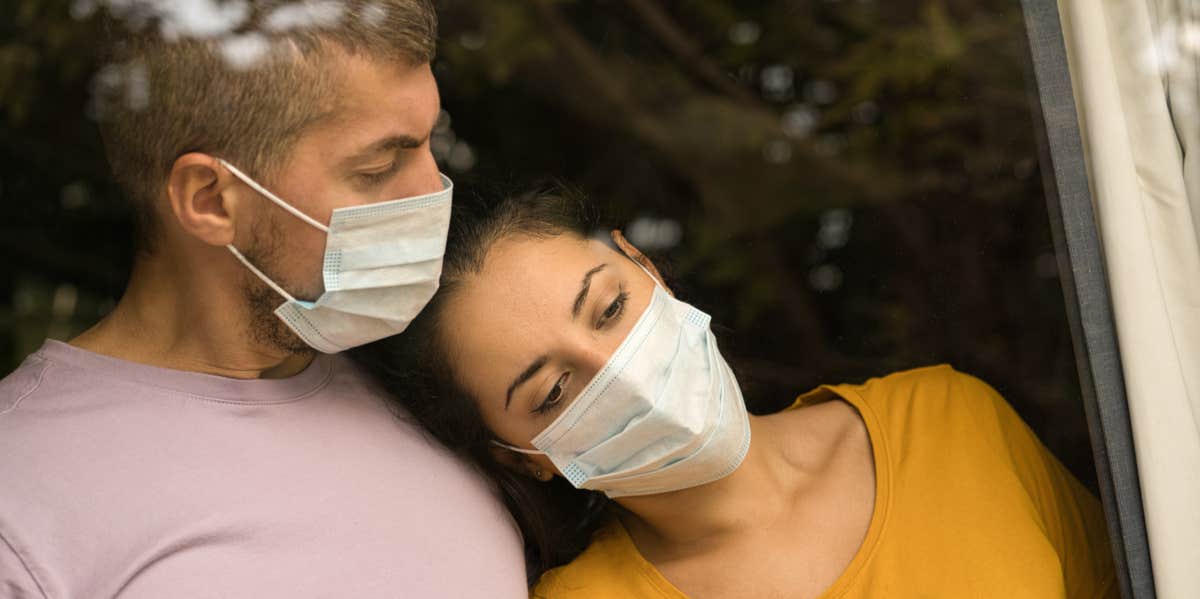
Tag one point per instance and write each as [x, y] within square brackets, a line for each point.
[21, 383]
[43, 388]
[45, 406]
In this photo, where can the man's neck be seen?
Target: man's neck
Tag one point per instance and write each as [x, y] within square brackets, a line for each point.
[170, 319]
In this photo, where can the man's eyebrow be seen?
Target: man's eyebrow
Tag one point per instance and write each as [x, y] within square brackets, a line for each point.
[390, 143]
[584, 287]
[524, 376]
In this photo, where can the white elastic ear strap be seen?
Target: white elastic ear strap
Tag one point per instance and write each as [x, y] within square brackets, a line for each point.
[282, 204]
[653, 278]
[518, 449]
[657, 283]
[260, 274]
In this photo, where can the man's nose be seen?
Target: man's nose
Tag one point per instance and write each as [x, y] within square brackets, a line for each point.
[427, 174]
[419, 177]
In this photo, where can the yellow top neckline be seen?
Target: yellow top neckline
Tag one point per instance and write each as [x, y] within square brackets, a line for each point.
[883, 485]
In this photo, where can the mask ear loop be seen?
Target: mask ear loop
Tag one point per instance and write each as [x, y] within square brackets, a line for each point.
[270, 196]
[518, 449]
[282, 204]
[260, 274]
[637, 257]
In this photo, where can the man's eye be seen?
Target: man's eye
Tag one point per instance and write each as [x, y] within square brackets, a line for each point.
[377, 176]
[555, 395]
[614, 309]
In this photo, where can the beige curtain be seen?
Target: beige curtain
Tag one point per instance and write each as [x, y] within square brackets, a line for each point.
[1134, 66]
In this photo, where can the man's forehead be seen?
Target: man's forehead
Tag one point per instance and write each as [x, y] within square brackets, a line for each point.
[367, 86]
[373, 118]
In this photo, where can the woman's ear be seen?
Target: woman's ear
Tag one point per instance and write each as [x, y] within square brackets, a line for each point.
[637, 256]
[520, 463]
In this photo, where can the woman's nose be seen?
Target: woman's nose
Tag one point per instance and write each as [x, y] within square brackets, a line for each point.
[590, 355]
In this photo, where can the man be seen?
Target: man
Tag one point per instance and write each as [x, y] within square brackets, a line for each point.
[193, 443]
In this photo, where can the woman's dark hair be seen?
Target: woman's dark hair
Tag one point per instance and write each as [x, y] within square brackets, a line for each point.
[556, 520]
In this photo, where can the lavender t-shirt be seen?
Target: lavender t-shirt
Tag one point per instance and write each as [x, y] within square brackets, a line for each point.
[120, 479]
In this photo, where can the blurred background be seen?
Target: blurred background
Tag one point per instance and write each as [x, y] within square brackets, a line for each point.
[850, 187]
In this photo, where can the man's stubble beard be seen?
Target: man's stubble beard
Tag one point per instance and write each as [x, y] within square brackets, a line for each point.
[265, 328]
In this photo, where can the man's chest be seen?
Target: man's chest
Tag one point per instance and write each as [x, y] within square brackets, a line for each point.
[262, 507]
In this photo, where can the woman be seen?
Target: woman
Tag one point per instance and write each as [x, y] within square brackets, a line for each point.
[601, 406]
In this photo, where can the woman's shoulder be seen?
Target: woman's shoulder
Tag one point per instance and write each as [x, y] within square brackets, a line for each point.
[610, 567]
[928, 381]
[930, 398]
[926, 387]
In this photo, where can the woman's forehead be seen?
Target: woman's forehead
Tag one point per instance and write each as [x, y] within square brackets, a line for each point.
[525, 284]
[521, 265]
[507, 315]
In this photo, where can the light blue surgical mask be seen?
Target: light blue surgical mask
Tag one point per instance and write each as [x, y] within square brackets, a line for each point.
[664, 413]
[382, 264]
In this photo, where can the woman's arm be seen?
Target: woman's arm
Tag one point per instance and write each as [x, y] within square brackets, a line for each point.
[1071, 516]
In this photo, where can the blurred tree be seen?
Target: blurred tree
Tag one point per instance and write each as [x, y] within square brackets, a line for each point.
[63, 228]
[849, 186]
[857, 181]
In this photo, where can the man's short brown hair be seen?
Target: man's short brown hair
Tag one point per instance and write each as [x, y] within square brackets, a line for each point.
[241, 86]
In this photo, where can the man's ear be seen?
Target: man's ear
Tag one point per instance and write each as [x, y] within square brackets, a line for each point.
[520, 463]
[637, 256]
[198, 189]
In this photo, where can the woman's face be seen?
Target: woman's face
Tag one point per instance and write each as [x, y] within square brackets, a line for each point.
[529, 331]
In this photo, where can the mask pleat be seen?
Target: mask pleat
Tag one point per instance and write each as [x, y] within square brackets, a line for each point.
[391, 253]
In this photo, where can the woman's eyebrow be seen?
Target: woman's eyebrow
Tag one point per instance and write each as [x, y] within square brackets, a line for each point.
[584, 287]
[537, 364]
[524, 376]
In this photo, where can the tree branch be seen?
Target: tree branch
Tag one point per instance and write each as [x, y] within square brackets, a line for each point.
[677, 42]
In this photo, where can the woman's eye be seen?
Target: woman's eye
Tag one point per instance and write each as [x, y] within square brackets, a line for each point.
[614, 309]
[555, 395]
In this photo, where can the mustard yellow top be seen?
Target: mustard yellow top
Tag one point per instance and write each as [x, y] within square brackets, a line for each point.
[968, 504]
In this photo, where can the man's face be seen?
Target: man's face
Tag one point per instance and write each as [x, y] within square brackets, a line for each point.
[373, 149]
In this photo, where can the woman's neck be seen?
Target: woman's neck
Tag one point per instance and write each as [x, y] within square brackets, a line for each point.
[765, 488]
